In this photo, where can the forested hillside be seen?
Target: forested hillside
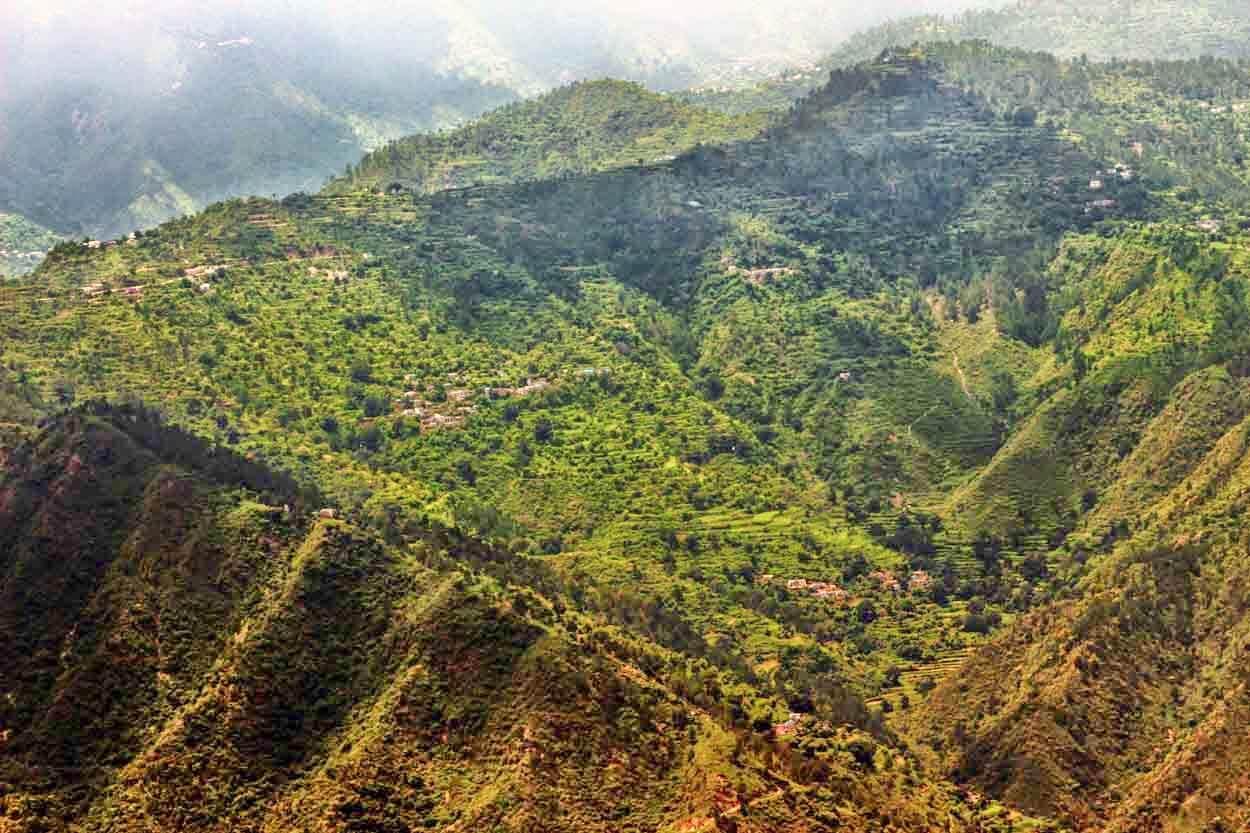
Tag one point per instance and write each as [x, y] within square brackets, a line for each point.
[822, 410]
[189, 646]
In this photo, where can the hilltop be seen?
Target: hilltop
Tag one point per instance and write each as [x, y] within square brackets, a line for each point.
[575, 130]
[115, 120]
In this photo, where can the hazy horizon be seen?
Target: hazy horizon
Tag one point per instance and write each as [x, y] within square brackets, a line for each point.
[547, 41]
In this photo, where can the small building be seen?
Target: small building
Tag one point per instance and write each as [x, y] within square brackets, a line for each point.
[791, 725]
[887, 580]
[1209, 226]
[1096, 185]
[829, 592]
[327, 514]
[796, 584]
[1099, 205]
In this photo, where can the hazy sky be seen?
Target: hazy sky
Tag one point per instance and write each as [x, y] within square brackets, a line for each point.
[43, 39]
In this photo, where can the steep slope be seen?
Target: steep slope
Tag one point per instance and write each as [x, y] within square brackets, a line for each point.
[1125, 702]
[185, 652]
[820, 409]
[621, 432]
[1156, 316]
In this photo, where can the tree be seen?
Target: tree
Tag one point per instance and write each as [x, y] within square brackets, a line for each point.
[1080, 365]
[361, 371]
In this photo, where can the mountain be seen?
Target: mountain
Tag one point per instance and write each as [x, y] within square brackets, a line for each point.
[1143, 30]
[852, 412]
[625, 324]
[190, 648]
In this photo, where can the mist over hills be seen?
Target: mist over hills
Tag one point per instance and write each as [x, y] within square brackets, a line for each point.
[117, 116]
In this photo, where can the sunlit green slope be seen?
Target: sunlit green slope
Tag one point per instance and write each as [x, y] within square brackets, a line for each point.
[190, 644]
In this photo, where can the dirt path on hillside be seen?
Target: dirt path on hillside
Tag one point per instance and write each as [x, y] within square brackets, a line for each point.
[963, 380]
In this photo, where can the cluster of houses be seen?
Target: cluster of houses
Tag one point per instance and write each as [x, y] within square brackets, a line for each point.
[459, 406]
[758, 277]
[816, 589]
[437, 416]
[790, 726]
[530, 387]
[203, 274]
[1101, 179]
[94, 290]
[1099, 205]
[1235, 107]
[336, 276]
[918, 582]
[1121, 172]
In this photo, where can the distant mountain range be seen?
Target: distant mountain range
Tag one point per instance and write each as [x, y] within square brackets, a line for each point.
[119, 120]
[151, 114]
[1099, 30]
